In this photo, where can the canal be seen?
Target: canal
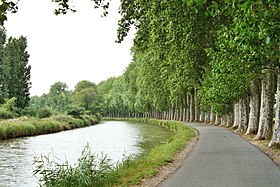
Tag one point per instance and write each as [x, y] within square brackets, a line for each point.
[116, 139]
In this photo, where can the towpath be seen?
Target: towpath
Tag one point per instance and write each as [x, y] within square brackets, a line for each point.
[223, 159]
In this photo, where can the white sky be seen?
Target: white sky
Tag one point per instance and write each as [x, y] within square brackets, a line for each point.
[69, 48]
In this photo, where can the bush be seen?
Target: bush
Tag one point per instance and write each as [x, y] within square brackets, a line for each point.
[44, 113]
[6, 114]
[76, 111]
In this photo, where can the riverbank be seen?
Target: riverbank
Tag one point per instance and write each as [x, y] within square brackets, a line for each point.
[147, 166]
[21, 127]
[131, 171]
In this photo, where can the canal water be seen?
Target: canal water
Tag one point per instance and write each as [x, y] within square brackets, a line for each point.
[116, 139]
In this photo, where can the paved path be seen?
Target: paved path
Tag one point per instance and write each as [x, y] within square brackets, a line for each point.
[223, 159]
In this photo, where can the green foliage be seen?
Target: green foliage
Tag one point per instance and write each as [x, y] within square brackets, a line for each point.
[90, 170]
[59, 97]
[6, 114]
[75, 111]
[83, 85]
[86, 96]
[44, 112]
[10, 104]
[8, 110]
[16, 71]
[24, 126]
[6, 6]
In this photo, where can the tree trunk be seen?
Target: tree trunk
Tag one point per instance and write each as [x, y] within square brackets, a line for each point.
[207, 117]
[255, 93]
[196, 109]
[223, 120]
[212, 118]
[243, 124]
[236, 115]
[184, 114]
[266, 110]
[192, 108]
[230, 117]
[217, 120]
[202, 116]
[275, 141]
[188, 107]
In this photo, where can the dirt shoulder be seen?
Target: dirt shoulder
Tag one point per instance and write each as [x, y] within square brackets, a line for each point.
[273, 153]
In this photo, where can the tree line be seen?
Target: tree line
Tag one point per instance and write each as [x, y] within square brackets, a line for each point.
[84, 99]
[200, 60]
[197, 60]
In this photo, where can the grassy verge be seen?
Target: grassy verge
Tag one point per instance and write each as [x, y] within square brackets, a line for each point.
[21, 127]
[129, 172]
[149, 165]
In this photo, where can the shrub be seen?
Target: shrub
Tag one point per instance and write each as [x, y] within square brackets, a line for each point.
[44, 113]
[6, 114]
[76, 111]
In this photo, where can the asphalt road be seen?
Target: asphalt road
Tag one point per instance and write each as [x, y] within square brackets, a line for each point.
[223, 159]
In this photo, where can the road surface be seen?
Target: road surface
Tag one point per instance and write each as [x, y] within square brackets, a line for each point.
[223, 159]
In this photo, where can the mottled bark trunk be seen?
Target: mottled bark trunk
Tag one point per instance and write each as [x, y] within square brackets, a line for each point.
[175, 114]
[223, 120]
[236, 115]
[202, 116]
[188, 107]
[192, 108]
[207, 117]
[168, 114]
[255, 95]
[217, 120]
[181, 114]
[230, 118]
[184, 114]
[196, 109]
[275, 141]
[266, 109]
[212, 117]
[243, 116]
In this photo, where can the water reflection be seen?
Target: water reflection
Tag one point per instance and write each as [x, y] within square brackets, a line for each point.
[111, 138]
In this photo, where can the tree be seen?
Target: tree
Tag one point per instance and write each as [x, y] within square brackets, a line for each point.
[86, 96]
[3, 38]
[84, 84]
[16, 71]
[59, 97]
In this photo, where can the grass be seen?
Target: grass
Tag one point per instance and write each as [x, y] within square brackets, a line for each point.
[149, 165]
[21, 127]
[128, 172]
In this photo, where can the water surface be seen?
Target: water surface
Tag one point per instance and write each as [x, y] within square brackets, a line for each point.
[113, 138]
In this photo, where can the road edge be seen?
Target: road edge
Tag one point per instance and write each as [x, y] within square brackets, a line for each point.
[166, 170]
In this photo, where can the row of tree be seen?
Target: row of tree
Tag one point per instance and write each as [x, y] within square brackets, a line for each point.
[208, 60]
[201, 60]
[14, 70]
